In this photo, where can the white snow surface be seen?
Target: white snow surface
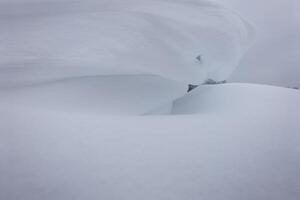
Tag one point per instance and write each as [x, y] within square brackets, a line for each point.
[112, 95]
[85, 89]
[274, 56]
[49, 40]
[235, 141]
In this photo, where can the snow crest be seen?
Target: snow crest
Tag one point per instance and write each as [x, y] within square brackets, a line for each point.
[185, 41]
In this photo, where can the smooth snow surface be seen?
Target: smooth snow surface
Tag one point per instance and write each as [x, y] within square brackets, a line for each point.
[94, 105]
[48, 40]
[113, 95]
[255, 99]
[242, 142]
[274, 57]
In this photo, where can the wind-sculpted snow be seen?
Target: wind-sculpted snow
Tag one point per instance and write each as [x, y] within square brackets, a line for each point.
[67, 66]
[113, 56]
[242, 142]
[50, 40]
[112, 95]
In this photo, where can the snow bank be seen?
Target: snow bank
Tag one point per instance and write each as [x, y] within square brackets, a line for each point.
[113, 95]
[274, 55]
[243, 143]
[65, 63]
[186, 41]
[236, 98]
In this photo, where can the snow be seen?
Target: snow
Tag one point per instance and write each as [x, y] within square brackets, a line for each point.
[239, 99]
[276, 44]
[113, 95]
[50, 40]
[94, 105]
[241, 141]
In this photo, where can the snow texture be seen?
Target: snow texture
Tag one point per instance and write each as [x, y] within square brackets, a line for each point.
[230, 141]
[274, 56]
[85, 89]
[48, 40]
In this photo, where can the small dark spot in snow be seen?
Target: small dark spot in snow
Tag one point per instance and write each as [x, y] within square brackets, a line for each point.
[213, 82]
[191, 87]
[199, 58]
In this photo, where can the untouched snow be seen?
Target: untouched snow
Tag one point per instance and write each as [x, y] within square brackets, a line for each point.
[241, 99]
[275, 55]
[113, 95]
[242, 142]
[49, 40]
[84, 84]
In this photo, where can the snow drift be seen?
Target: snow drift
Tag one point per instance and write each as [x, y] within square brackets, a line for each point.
[113, 56]
[105, 95]
[242, 142]
[186, 41]
[67, 66]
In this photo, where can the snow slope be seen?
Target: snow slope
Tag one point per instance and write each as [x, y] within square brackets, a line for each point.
[113, 95]
[238, 98]
[67, 66]
[232, 141]
[274, 58]
[187, 41]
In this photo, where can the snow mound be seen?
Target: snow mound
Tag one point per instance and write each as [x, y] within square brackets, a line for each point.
[187, 41]
[235, 98]
[244, 145]
[113, 95]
